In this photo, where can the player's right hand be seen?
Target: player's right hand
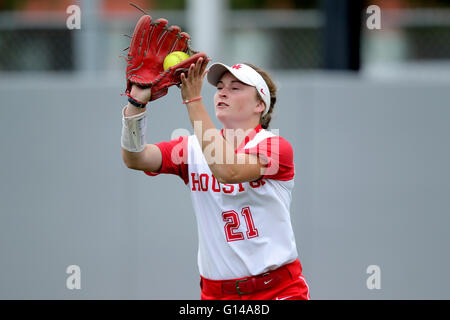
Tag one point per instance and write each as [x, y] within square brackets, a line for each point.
[192, 82]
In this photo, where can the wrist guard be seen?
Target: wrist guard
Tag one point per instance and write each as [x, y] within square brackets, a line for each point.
[133, 132]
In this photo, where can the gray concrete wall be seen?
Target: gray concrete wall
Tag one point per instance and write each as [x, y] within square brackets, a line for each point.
[372, 188]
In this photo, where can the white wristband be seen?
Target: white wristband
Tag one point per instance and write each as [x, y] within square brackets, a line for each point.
[133, 131]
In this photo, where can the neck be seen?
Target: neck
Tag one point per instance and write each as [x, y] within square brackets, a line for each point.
[236, 134]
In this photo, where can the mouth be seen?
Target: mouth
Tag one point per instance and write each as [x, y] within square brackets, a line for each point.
[222, 105]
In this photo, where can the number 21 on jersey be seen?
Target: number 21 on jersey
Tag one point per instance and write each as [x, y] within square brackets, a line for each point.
[233, 223]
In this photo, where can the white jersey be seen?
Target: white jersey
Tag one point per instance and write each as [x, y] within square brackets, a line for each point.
[244, 229]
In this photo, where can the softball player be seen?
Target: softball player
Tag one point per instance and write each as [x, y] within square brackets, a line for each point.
[240, 179]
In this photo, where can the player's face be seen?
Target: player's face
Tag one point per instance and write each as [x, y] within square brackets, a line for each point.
[234, 100]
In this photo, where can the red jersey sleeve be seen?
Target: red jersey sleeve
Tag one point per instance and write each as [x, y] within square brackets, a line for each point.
[174, 158]
[277, 155]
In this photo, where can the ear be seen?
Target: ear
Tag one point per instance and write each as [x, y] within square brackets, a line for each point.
[260, 106]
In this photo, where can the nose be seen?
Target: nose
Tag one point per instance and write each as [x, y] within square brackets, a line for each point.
[223, 93]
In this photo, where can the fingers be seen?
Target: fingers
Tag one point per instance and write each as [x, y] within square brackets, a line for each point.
[193, 71]
[184, 84]
[190, 74]
[183, 78]
[205, 73]
[197, 69]
[203, 70]
[191, 82]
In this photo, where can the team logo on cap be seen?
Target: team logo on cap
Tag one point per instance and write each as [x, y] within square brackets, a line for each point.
[262, 91]
[236, 66]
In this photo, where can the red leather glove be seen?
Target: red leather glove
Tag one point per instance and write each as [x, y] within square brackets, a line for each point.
[150, 44]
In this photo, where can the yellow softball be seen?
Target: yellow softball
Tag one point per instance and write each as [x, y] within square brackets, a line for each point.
[174, 58]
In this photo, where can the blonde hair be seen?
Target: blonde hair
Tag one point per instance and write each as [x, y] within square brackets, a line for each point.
[265, 120]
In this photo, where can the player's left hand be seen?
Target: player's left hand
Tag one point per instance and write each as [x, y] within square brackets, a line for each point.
[152, 41]
[191, 84]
